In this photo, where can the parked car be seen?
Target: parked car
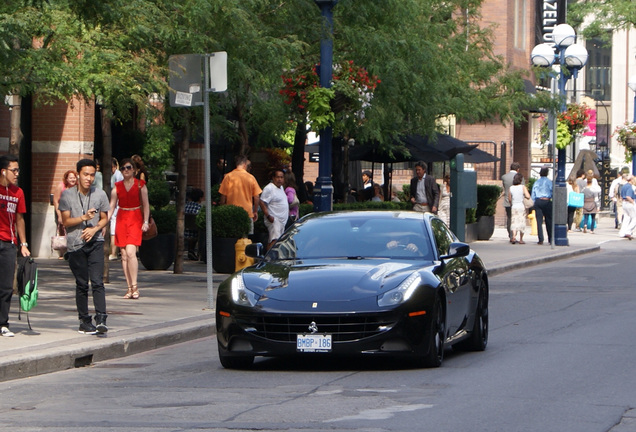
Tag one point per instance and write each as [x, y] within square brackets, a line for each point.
[394, 283]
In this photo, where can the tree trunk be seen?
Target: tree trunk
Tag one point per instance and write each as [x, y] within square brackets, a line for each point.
[107, 144]
[244, 146]
[298, 160]
[182, 183]
[16, 133]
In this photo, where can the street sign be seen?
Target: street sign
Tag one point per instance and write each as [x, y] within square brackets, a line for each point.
[185, 80]
[218, 71]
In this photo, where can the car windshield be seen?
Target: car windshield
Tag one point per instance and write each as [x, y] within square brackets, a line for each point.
[355, 237]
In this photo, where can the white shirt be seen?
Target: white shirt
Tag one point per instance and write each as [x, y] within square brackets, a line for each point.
[276, 200]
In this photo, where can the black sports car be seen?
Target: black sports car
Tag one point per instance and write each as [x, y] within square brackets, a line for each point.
[349, 283]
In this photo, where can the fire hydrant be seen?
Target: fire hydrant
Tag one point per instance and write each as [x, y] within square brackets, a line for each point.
[533, 223]
[242, 260]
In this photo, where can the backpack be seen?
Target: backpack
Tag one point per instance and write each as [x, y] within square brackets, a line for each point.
[27, 286]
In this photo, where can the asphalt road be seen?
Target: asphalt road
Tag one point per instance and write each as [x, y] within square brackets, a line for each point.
[560, 358]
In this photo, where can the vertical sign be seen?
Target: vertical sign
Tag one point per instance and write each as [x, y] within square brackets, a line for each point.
[550, 13]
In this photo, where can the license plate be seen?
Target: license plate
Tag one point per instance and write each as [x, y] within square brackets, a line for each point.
[313, 343]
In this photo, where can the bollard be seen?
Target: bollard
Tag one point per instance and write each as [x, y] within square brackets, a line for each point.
[242, 260]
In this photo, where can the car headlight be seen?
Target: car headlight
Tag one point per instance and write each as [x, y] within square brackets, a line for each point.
[402, 293]
[241, 295]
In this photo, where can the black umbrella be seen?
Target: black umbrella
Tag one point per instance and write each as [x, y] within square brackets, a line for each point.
[476, 156]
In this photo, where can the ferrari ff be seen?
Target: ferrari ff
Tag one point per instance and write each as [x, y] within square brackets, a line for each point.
[370, 283]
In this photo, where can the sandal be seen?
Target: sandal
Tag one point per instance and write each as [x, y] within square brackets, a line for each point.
[129, 293]
[135, 292]
[522, 242]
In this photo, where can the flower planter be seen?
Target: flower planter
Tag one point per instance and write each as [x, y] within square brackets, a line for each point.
[471, 233]
[158, 253]
[630, 142]
[224, 254]
[485, 227]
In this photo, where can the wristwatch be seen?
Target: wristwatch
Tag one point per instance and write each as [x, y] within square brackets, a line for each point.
[24, 244]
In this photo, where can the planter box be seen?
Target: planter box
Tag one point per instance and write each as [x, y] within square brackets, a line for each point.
[158, 253]
[224, 254]
[485, 227]
[472, 231]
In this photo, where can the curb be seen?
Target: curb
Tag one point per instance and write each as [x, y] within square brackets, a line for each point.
[541, 260]
[85, 353]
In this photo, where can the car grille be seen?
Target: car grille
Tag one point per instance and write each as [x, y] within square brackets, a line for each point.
[343, 328]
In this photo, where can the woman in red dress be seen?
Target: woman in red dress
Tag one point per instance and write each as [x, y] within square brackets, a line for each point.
[131, 195]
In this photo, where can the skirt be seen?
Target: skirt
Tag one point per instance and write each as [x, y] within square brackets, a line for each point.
[518, 219]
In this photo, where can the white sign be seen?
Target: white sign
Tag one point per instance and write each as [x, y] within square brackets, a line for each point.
[218, 71]
[184, 99]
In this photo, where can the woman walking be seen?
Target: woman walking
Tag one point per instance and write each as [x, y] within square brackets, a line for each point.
[591, 195]
[518, 191]
[69, 180]
[131, 195]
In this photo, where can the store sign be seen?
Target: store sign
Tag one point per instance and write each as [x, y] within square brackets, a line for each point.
[550, 13]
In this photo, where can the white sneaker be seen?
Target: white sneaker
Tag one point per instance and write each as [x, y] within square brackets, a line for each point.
[6, 332]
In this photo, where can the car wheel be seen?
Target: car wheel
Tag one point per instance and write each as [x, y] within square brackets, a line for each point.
[232, 362]
[478, 338]
[437, 336]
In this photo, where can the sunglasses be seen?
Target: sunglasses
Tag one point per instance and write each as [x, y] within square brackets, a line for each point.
[14, 170]
[126, 168]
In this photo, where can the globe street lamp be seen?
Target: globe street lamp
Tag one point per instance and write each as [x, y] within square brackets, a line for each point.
[323, 190]
[632, 85]
[571, 58]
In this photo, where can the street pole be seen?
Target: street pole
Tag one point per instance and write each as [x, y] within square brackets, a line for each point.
[208, 179]
[559, 196]
[634, 149]
[323, 191]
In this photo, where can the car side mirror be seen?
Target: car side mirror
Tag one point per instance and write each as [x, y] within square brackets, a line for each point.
[254, 250]
[456, 250]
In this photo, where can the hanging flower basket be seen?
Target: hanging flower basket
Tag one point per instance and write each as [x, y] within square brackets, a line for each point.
[630, 143]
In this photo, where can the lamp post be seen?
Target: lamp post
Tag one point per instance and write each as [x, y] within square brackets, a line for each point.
[571, 58]
[632, 85]
[323, 190]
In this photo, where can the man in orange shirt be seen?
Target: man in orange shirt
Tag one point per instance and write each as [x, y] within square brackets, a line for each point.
[241, 189]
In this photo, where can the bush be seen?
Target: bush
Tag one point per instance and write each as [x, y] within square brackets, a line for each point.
[470, 215]
[166, 220]
[158, 194]
[229, 221]
[487, 197]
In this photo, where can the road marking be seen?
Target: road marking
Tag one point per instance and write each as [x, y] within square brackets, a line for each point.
[382, 413]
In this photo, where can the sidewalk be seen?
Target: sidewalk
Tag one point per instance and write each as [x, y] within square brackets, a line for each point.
[174, 308]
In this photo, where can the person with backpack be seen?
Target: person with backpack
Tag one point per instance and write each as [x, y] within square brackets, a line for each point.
[12, 234]
[84, 214]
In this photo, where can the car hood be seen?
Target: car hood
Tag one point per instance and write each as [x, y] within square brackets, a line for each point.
[336, 281]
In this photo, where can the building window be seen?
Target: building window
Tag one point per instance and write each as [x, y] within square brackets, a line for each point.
[598, 71]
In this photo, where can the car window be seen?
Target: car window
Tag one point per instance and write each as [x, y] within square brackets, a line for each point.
[443, 236]
[355, 237]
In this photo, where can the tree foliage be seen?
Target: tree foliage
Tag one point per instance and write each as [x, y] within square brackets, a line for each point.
[607, 14]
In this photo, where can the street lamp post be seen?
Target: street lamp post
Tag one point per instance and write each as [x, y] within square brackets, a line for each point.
[323, 190]
[571, 58]
[632, 85]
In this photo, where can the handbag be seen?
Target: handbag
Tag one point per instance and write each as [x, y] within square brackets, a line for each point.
[575, 199]
[58, 243]
[151, 232]
[528, 203]
[295, 203]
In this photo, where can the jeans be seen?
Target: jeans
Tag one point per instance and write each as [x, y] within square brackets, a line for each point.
[87, 264]
[543, 209]
[8, 254]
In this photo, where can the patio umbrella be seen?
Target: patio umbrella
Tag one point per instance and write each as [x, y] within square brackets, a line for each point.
[476, 156]
[585, 160]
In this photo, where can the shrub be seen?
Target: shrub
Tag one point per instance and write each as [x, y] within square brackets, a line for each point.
[158, 194]
[230, 221]
[166, 220]
[487, 197]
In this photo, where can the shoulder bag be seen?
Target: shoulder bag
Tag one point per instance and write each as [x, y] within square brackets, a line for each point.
[152, 226]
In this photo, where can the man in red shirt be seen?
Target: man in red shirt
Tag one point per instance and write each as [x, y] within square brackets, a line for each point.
[12, 233]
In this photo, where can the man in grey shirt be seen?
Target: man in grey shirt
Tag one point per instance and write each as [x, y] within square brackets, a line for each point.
[84, 211]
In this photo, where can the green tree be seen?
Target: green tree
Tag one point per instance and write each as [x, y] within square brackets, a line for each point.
[614, 15]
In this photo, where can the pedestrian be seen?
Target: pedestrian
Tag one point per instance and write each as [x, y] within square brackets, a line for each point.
[12, 234]
[275, 207]
[444, 200]
[591, 196]
[131, 196]
[99, 179]
[507, 179]
[84, 214]
[292, 196]
[192, 209]
[628, 196]
[240, 188]
[116, 176]
[141, 173]
[378, 195]
[615, 196]
[69, 180]
[366, 193]
[424, 190]
[571, 186]
[218, 171]
[516, 193]
[542, 196]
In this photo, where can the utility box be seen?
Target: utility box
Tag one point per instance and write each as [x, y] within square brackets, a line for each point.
[463, 195]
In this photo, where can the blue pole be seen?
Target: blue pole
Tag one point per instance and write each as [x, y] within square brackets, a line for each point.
[559, 197]
[323, 190]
